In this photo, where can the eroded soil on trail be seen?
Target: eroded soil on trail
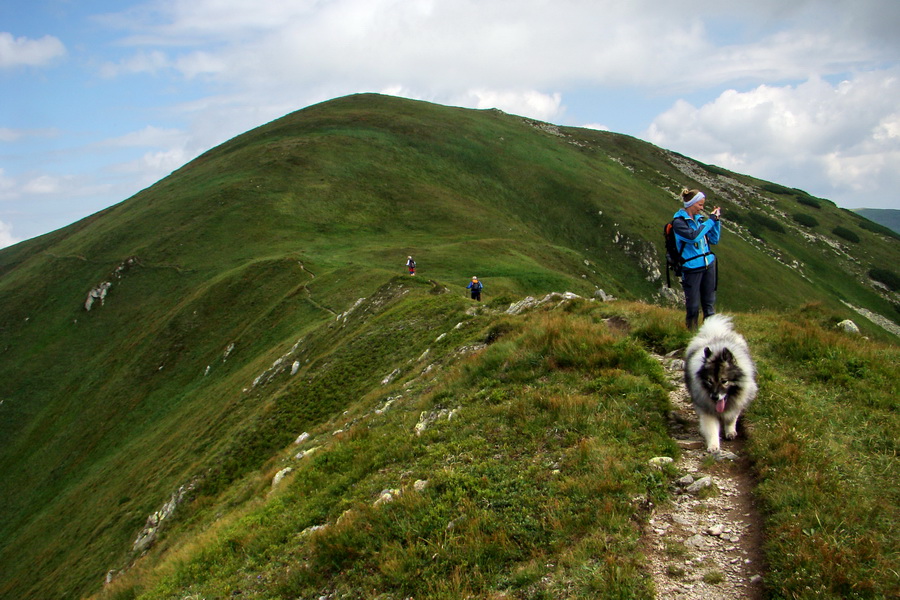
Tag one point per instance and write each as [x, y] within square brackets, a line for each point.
[706, 542]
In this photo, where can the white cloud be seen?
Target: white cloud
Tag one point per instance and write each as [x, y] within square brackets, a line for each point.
[529, 103]
[153, 166]
[442, 46]
[141, 62]
[9, 135]
[15, 135]
[24, 52]
[36, 187]
[43, 185]
[149, 136]
[845, 136]
[6, 236]
[7, 186]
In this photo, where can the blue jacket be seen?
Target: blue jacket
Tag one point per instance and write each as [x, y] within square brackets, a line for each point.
[693, 237]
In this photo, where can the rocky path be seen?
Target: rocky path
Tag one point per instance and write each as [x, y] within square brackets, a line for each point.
[706, 542]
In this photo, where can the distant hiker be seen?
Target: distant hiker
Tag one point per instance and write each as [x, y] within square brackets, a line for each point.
[411, 265]
[475, 286]
[694, 233]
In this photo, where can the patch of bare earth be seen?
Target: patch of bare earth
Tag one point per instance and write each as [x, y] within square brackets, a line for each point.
[706, 542]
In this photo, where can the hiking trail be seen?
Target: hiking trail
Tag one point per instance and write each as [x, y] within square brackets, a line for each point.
[706, 543]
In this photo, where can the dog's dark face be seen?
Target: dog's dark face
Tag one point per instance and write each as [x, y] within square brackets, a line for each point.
[720, 377]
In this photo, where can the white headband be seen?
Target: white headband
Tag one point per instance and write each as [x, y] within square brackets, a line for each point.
[697, 198]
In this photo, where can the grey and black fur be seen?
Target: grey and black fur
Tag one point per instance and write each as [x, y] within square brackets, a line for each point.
[720, 377]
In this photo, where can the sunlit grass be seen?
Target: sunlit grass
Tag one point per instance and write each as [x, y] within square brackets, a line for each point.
[263, 241]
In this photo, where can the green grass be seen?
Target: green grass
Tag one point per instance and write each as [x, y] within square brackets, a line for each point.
[263, 241]
[825, 444]
[531, 484]
[529, 487]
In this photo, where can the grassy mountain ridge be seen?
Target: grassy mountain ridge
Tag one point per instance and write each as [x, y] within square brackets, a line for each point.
[887, 217]
[534, 464]
[264, 240]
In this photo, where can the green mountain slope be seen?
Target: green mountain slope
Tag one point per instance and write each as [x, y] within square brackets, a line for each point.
[262, 244]
[886, 217]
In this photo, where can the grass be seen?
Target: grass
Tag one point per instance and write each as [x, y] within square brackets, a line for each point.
[521, 477]
[713, 577]
[263, 241]
[825, 448]
[530, 485]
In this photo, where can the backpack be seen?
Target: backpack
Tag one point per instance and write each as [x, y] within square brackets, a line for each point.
[674, 260]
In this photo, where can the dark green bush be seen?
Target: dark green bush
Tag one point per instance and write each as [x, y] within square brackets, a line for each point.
[805, 220]
[736, 216]
[808, 201]
[716, 170]
[845, 233]
[777, 189]
[878, 228]
[887, 277]
[766, 222]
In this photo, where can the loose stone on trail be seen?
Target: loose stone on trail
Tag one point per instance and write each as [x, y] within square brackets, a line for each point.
[705, 542]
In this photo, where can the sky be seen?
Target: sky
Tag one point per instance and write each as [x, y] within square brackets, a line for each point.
[100, 99]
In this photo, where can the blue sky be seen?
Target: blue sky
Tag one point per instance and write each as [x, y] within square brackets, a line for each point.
[102, 98]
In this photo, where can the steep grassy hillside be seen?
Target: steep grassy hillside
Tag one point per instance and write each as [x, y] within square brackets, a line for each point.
[253, 253]
[889, 218]
[510, 459]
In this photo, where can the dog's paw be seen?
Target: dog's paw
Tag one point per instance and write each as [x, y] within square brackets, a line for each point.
[730, 435]
[712, 448]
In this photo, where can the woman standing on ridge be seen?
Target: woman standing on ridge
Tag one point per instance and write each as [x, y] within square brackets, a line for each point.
[694, 233]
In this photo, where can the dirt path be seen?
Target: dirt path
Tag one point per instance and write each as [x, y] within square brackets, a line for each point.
[705, 543]
[308, 293]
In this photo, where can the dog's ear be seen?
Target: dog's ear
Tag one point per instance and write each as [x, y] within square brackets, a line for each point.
[707, 352]
[727, 356]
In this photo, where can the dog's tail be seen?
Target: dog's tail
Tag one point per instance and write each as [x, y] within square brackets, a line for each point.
[716, 324]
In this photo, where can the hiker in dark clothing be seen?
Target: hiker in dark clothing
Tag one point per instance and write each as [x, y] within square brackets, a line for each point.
[475, 286]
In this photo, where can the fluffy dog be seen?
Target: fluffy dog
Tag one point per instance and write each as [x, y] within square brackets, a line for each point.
[720, 377]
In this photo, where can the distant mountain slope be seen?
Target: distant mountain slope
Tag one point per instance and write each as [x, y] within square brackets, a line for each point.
[888, 217]
[198, 284]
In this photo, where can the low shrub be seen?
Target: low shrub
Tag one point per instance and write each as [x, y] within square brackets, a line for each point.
[847, 234]
[778, 189]
[808, 201]
[878, 228]
[716, 170]
[766, 222]
[737, 216]
[805, 220]
[887, 277]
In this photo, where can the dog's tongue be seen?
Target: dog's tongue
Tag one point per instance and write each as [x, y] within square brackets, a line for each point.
[720, 405]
